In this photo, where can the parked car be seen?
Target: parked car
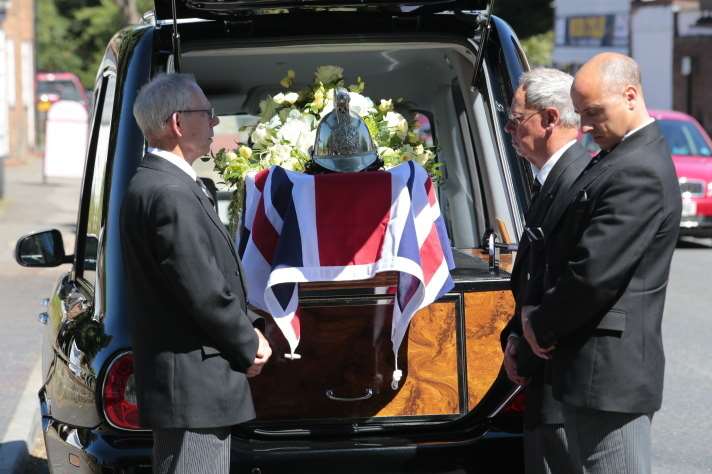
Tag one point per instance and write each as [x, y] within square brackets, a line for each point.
[691, 149]
[54, 86]
[455, 410]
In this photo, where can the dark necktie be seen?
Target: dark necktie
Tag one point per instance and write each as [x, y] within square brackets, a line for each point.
[205, 191]
[536, 187]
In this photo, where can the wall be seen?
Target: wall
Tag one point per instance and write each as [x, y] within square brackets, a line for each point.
[652, 39]
[18, 27]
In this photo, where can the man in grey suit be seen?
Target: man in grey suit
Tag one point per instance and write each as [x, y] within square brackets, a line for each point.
[544, 130]
[193, 340]
[608, 261]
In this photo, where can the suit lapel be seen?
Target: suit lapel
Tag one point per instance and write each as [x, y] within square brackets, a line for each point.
[587, 173]
[542, 205]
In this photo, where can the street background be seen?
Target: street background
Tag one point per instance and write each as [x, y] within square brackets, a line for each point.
[50, 51]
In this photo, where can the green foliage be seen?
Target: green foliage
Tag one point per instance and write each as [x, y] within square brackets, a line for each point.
[94, 26]
[55, 48]
[539, 49]
[72, 34]
[527, 17]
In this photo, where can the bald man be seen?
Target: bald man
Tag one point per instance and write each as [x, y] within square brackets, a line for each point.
[608, 260]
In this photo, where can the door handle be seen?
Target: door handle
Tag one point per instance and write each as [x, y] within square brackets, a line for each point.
[330, 395]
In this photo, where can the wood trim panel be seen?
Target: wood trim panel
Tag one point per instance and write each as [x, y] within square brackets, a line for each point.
[431, 385]
[486, 314]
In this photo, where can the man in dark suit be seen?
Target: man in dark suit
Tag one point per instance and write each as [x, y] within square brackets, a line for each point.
[608, 261]
[193, 340]
[544, 129]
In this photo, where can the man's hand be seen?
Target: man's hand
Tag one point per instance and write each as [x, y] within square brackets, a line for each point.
[510, 360]
[529, 335]
[264, 351]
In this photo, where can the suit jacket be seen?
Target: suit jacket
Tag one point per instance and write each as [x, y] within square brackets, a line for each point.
[607, 264]
[527, 274]
[191, 334]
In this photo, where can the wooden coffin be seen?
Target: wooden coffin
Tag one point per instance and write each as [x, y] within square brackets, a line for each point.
[450, 356]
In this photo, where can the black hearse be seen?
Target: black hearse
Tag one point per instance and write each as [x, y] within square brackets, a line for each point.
[455, 411]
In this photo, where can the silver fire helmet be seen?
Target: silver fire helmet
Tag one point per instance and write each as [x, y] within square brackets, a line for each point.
[343, 142]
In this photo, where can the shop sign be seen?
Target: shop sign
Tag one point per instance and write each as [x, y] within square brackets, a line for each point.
[592, 30]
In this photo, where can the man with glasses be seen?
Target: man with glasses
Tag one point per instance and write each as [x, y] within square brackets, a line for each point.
[544, 129]
[194, 342]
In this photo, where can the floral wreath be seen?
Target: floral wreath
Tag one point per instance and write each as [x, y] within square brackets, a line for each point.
[286, 131]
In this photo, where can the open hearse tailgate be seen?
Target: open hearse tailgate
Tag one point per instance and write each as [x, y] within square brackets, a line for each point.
[212, 9]
[451, 357]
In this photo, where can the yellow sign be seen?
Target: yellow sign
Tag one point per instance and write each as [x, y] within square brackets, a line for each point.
[593, 27]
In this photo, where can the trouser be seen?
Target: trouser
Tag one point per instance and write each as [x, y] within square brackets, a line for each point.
[546, 451]
[604, 442]
[191, 451]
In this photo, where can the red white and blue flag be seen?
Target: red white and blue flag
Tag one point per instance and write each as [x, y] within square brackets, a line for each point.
[343, 226]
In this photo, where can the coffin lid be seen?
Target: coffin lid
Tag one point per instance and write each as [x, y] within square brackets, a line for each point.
[217, 8]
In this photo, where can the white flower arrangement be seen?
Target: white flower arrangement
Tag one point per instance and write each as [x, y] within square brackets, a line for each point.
[287, 129]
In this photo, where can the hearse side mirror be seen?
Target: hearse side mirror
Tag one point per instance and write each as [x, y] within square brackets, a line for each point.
[41, 249]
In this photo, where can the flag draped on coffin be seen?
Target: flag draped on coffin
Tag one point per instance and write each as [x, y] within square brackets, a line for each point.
[343, 226]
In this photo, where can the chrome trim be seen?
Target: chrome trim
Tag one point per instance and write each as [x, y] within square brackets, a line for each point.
[330, 395]
[692, 187]
[501, 406]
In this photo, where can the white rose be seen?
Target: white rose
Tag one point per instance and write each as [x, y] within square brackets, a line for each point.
[361, 105]
[261, 135]
[288, 98]
[294, 127]
[328, 74]
[278, 154]
[385, 105]
[306, 140]
[397, 124]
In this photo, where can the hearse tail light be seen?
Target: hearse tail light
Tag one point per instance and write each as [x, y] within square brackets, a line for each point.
[119, 393]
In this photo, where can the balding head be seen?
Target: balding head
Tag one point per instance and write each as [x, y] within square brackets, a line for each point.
[608, 95]
[615, 71]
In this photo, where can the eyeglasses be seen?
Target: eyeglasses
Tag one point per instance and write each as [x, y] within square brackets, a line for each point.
[210, 112]
[514, 121]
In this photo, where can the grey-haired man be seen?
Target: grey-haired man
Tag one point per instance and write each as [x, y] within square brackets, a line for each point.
[544, 128]
[194, 342]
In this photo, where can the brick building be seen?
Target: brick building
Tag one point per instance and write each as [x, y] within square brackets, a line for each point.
[692, 77]
[17, 77]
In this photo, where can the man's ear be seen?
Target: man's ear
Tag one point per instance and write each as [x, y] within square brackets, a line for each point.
[551, 118]
[631, 93]
[174, 125]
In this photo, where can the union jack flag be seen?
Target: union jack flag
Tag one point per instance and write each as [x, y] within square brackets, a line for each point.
[343, 226]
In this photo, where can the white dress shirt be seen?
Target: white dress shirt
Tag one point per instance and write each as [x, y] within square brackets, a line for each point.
[647, 122]
[543, 173]
[175, 160]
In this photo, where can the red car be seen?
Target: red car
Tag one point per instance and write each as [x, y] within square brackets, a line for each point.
[53, 86]
[691, 149]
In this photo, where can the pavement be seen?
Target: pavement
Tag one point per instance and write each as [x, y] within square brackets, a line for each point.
[28, 205]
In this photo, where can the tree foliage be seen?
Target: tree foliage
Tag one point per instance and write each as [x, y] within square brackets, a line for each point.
[539, 49]
[72, 34]
[527, 17]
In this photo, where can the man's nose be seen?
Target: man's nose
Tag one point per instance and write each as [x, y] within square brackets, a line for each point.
[508, 127]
